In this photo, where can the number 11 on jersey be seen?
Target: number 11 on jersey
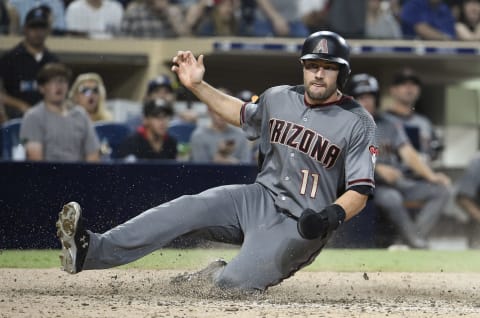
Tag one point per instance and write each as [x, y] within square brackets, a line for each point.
[307, 176]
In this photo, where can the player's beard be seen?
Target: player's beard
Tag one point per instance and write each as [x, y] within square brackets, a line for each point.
[319, 97]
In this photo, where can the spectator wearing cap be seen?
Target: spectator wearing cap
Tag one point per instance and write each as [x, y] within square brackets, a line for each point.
[161, 87]
[55, 129]
[154, 19]
[427, 20]
[151, 140]
[56, 7]
[20, 65]
[89, 92]
[405, 91]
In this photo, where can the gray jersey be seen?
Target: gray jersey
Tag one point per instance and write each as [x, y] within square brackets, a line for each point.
[63, 138]
[205, 141]
[469, 183]
[311, 154]
[390, 137]
[420, 132]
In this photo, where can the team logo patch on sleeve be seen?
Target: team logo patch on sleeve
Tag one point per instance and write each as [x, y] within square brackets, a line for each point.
[374, 152]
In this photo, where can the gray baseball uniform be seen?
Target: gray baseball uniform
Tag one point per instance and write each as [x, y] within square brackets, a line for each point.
[391, 197]
[311, 155]
[469, 184]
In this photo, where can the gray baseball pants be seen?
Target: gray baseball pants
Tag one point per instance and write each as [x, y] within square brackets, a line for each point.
[272, 249]
[391, 200]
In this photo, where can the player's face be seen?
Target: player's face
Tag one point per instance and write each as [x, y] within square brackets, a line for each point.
[406, 93]
[55, 90]
[36, 36]
[320, 80]
[157, 125]
[88, 95]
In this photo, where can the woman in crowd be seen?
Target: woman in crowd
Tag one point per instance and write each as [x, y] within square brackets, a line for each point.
[89, 92]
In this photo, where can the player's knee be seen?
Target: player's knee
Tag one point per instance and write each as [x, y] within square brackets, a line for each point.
[389, 198]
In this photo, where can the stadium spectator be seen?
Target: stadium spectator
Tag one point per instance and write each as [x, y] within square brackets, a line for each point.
[427, 20]
[380, 22]
[161, 87]
[20, 65]
[214, 18]
[405, 90]
[314, 13]
[154, 19]
[55, 129]
[97, 18]
[278, 18]
[89, 92]
[468, 198]
[468, 23]
[57, 9]
[7, 18]
[219, 142]
[151, 140]
[392, 187]
[348, 17]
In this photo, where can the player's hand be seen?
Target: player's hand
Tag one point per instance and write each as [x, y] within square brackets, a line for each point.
[189, 70]
[312, 225]
[440, 178]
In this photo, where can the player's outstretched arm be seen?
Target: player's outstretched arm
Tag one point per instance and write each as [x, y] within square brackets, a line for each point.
[190, 72]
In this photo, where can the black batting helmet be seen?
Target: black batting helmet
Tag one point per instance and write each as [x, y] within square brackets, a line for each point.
[363, 84]
[329, 46]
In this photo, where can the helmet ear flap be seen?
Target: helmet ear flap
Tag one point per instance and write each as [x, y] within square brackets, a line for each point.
[343, 75]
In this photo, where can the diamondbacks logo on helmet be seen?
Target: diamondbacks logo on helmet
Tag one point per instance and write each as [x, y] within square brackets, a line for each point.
[322, 47]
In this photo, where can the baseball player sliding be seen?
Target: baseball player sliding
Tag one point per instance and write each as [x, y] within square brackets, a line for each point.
[317, 170]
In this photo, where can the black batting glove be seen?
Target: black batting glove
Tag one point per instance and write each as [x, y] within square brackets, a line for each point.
[312, 225]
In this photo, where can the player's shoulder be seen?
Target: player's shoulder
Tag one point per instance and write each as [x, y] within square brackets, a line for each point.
[349, 104]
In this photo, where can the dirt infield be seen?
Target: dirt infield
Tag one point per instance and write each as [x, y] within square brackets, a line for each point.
[149, 293]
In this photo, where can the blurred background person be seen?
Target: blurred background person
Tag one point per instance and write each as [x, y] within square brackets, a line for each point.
[279, 18]
[314, 14]
[468, 23]
[219, 142]
[8, 18]
[214, 18]
[392, 187]
[89, 92]
[347, 17]
[20, 65]
[55, 129]
[154, 19]
[161, 87]
[468, 198]
[56, 7]
[405, 90]
[380, 22]
[427, 20]
[97, 18]
[151, 140]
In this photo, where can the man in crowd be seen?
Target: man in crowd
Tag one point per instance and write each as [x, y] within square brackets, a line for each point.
[20, 65]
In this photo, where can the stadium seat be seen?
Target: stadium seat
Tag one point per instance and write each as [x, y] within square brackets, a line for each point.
[111, 135]
[181, 131]
[10, 134]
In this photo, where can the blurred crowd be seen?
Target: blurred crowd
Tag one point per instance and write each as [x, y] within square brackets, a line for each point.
[371, 19]
[66, 118]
